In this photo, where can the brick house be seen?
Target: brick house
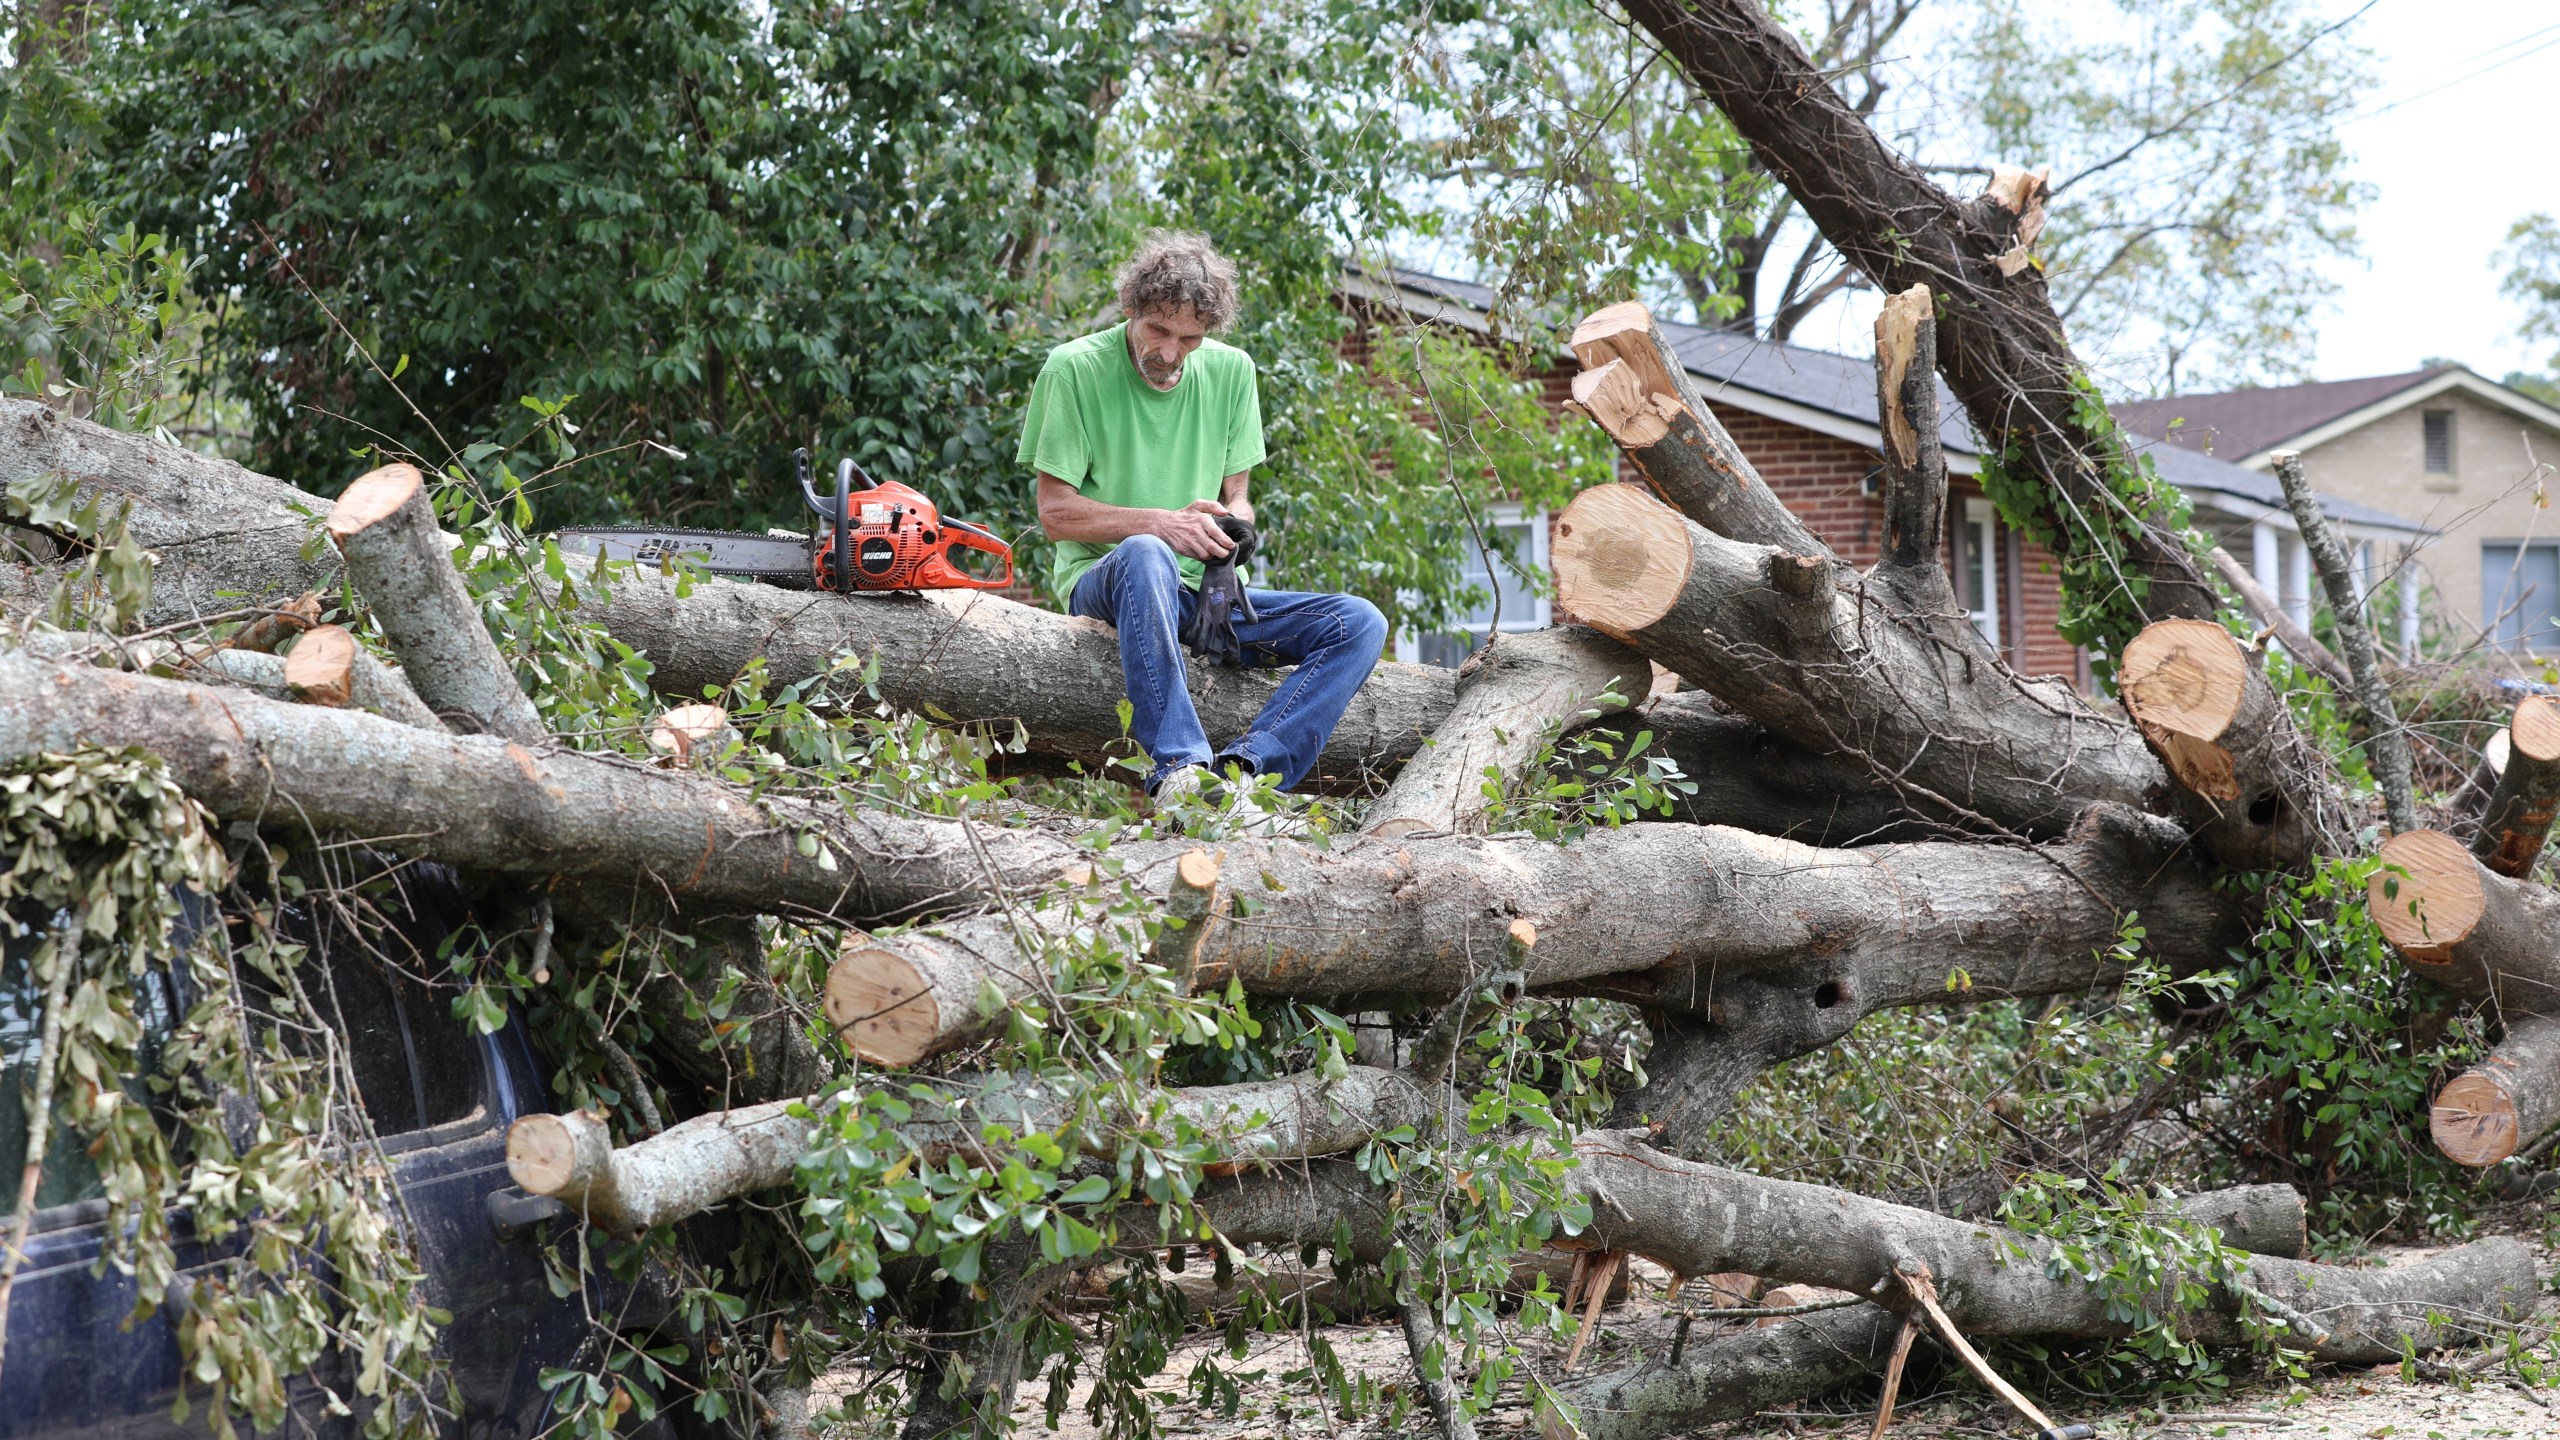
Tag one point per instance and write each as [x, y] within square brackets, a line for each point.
[2468, 457]
[1806, 419]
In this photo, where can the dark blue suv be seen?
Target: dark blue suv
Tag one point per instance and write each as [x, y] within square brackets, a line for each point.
[441, 1100]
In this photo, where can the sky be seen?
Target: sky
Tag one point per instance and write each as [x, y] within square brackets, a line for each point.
[2459, 144]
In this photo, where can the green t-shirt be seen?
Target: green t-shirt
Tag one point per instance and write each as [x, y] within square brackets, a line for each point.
[1097, 425]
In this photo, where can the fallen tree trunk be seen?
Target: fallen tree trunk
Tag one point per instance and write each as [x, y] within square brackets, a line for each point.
[1700, 920]
[401, 563]
[220, 532]
[2256, 793]
[2507, 1101]
[2517, 820]
[714, 1158]
[2000, 344]
[1752, 780]
[1512, 695]
[1820, 658]
[1775, 1363]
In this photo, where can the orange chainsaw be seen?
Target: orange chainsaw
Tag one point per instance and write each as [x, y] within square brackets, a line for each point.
[877, 537]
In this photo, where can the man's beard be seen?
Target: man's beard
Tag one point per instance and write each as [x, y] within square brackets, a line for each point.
[1161, 376]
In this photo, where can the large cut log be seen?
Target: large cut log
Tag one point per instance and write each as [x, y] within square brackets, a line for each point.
[2480, 935]
[1696, 1219]
[1815, 656]
[1512, 696]
[2517, 820]
[1776, 1363]
[2507, 1101]
[714, 1158]
[222, 533]
[1793, 941]
[2257, 793]
[385, 528]
[1635, 387]
[481, 802]
[2000, 344]
[218, 532]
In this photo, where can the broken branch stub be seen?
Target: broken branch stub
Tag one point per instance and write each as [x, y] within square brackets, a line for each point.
[1511, 696]
[1648, 404]
[1915, 465]
[320, 669]
[385, 529]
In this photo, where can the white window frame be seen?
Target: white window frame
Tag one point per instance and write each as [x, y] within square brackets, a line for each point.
[1533, 556]
[1983, 519]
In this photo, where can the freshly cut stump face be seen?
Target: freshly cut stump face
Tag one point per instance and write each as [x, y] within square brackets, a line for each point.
[2426, 897]
[2474, 1120]
[542, 1154]
[1621, 559]
[881, 1005]
[2183, 681]
[321, 668]
[2535, 731]
[373, 497]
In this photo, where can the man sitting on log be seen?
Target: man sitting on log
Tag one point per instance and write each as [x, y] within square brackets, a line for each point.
[1143, 437]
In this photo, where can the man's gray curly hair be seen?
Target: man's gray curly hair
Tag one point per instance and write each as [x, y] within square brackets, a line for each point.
[1179, 270]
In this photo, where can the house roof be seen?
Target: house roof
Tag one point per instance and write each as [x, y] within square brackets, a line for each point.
[2246, 427]
[1835, 395]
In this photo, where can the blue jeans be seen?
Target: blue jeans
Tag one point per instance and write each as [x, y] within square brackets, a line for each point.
[1334, 640]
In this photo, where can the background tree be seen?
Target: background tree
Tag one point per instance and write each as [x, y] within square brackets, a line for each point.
[2532, 258]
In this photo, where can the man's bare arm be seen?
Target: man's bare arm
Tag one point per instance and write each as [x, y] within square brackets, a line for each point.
[1231, 493]
[1067, 513]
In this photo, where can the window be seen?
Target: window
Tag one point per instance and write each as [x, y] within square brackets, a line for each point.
[2439, 441]
[2520, 593]
[70, 1176]
[1977, 568]
[1523, 607]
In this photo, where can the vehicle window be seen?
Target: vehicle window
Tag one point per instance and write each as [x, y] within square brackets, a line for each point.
[355, 1000]
[448, 1057]
[69, 1176]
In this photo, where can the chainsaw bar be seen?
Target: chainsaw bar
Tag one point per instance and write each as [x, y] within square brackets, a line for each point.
[744, 554]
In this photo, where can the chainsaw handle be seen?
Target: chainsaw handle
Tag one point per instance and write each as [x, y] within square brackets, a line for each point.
[962, 535]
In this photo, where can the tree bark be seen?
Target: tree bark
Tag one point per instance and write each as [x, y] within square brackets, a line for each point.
[2478, 934]
[2255, 791]
[2000, 343]
[1512, 696]
[481, 802]
[2384, 739]
[1752, 780]
[1725, 1378]
[403, 566]
[1638, 390]
[2517, 820]
[2507, 1101]
[714, 1158]
[1699, 1219]
[1691, 919]
[1825, 660]
[220, 531]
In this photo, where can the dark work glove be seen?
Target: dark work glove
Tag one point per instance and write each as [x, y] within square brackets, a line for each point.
[1211, 635]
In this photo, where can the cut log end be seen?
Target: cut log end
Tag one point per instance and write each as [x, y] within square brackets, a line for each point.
[321, 669]
[2475, 1120]
[2183, 681]
[2535, 731]
[544, 1153]
[2426, 896]
[1524, 934]
[374, 497]
[1196, 870]
[683, 731]
[1621, 558]
[881, 1005]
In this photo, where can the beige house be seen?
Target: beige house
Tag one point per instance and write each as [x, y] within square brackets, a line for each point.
[2466, 458]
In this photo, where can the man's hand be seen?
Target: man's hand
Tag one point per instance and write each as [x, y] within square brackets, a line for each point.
[1193, 530]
